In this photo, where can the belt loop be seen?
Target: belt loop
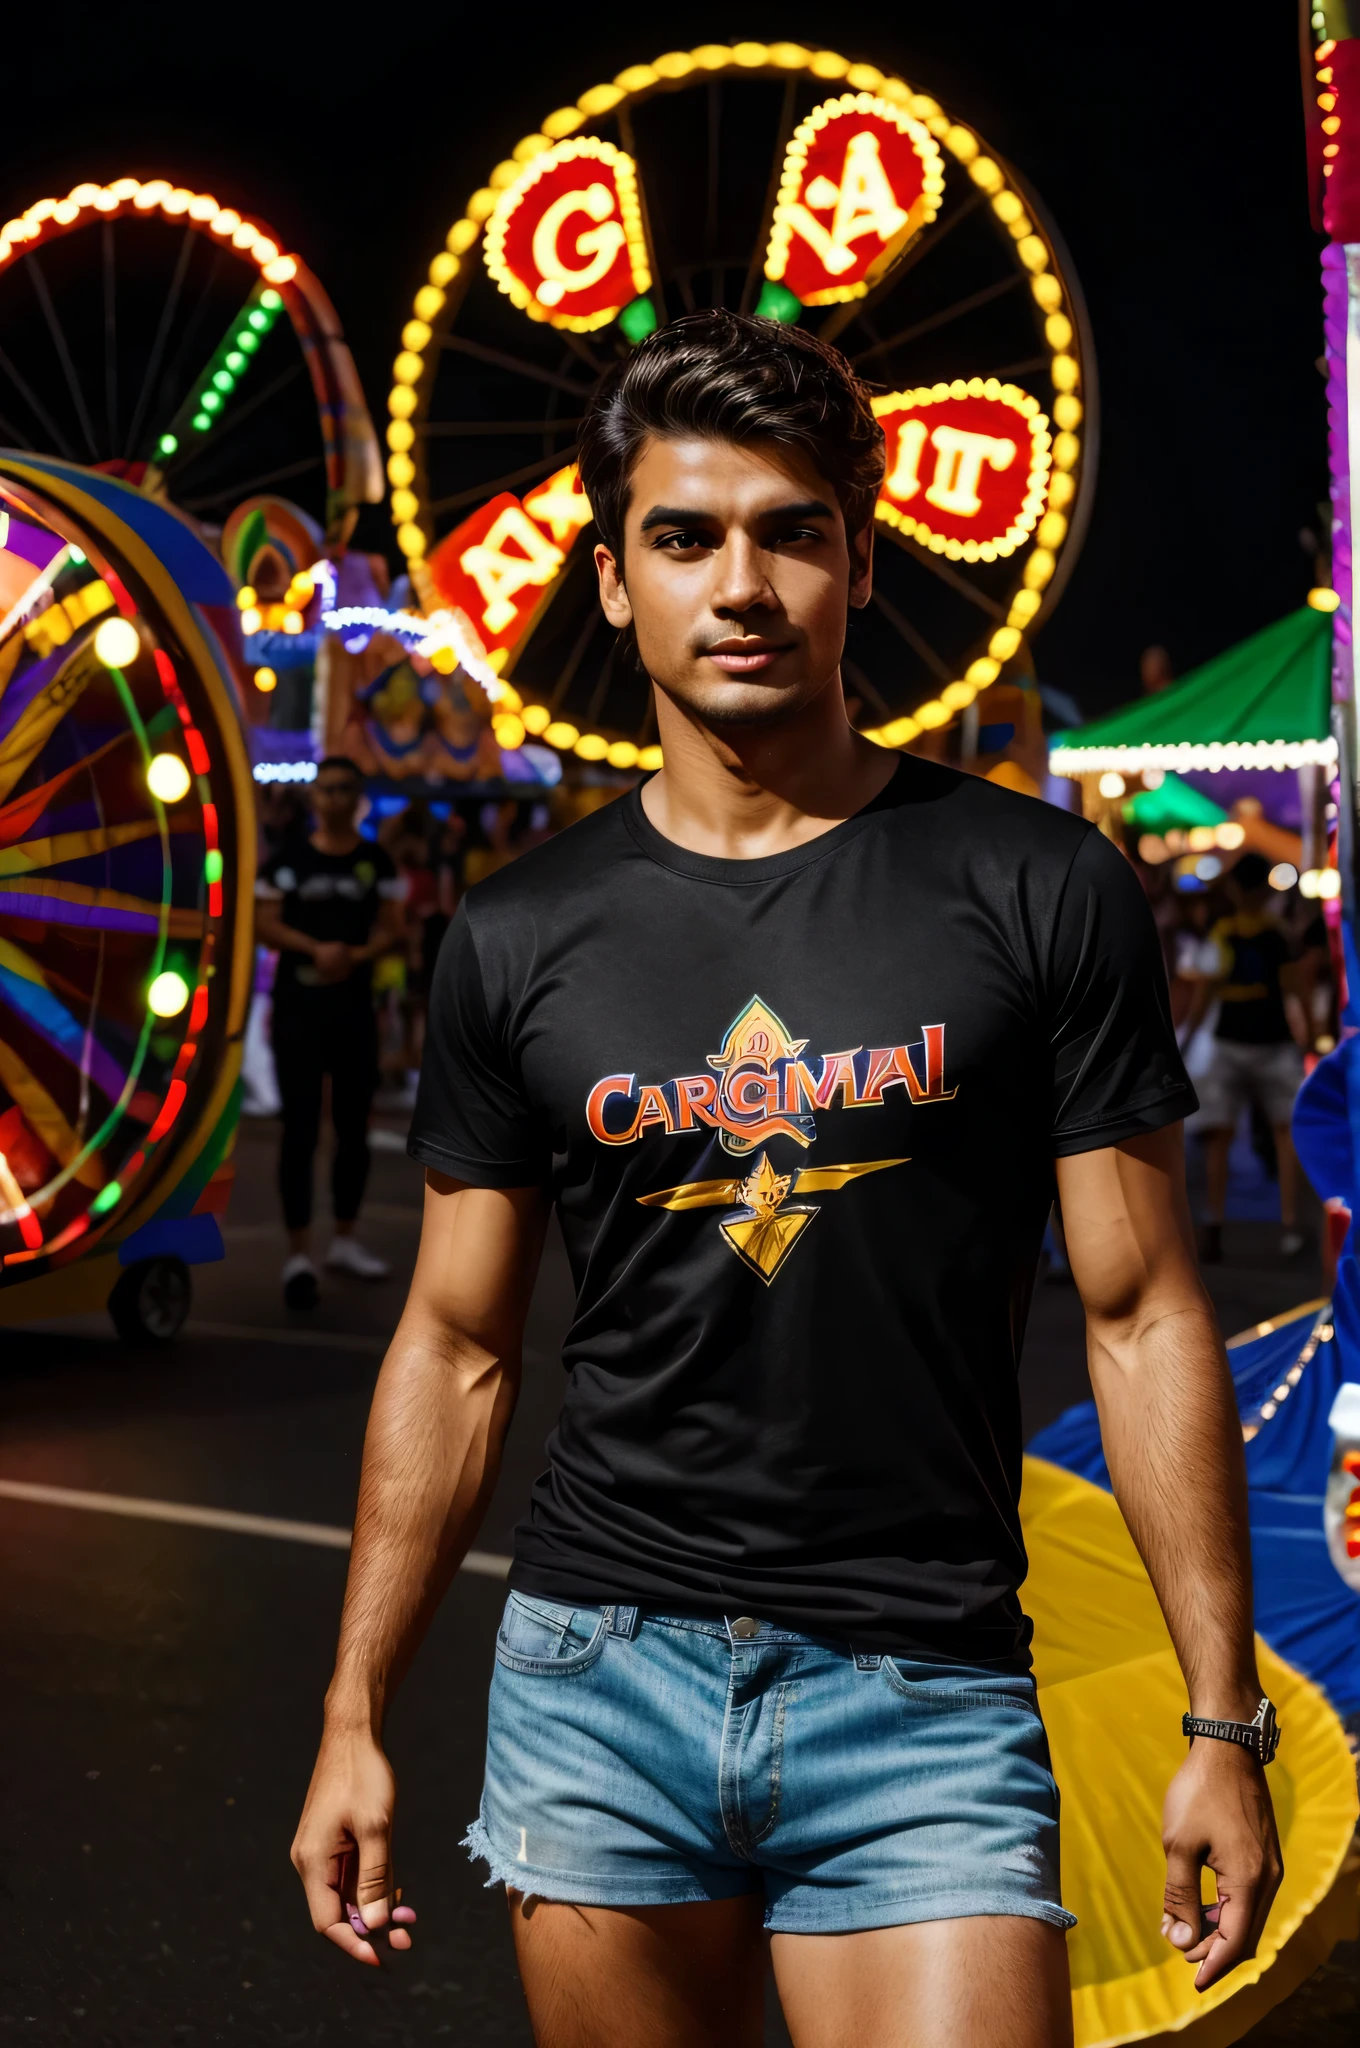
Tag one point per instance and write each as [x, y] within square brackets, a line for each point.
[624, 1621]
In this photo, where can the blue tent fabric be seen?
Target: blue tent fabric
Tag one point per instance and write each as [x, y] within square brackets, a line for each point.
[1305, 1610]
[199, 574]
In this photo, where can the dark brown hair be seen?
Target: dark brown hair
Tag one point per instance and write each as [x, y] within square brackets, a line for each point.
[729, 377]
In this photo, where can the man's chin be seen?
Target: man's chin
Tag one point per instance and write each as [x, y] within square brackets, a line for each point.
[741, 702]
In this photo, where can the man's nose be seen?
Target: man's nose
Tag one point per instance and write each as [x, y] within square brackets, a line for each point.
[742, 583]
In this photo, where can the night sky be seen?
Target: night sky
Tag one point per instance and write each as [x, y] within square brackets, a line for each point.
[1166, 142]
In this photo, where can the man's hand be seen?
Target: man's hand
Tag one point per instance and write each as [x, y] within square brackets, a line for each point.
[1218, 1812]
[343, 1848]
[333, 961]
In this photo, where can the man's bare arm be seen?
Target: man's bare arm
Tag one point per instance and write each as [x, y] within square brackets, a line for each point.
[432, 1451]
[1173, 1444]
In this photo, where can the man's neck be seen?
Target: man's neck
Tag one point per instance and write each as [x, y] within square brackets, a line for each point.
[746, 792]
[334, 842]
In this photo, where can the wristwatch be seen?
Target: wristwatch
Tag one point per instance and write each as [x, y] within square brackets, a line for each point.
[1261, 1736]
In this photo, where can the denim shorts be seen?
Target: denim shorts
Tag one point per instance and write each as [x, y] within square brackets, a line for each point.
[639, 1759]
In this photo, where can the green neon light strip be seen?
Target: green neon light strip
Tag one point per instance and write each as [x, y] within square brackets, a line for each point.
[211, 391]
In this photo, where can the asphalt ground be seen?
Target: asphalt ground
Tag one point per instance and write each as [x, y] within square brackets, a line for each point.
[162, 1682]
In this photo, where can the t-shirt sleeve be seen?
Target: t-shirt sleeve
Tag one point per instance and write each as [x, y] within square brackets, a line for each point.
[1117, 1072]
[472, 1119]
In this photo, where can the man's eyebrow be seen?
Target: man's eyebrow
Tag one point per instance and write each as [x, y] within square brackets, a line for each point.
[681, 515]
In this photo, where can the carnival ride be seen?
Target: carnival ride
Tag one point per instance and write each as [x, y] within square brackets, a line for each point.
[126, 863]
[792, 182]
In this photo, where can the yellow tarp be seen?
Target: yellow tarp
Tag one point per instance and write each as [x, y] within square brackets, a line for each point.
[1112, 1698]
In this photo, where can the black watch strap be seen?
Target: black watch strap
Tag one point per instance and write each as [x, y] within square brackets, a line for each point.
[1261, 1736]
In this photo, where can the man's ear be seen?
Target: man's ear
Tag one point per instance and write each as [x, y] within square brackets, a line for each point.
[861, 566]
[613, 594]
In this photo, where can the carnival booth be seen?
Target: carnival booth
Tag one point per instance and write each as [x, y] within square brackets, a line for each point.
[127, 856]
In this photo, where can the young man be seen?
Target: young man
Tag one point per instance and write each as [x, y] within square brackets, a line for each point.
[330, 905]
[1255, 1059]
[797, 1038]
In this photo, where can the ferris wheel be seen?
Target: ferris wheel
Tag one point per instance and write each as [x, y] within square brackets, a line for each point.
[790, 182]
[154, 333]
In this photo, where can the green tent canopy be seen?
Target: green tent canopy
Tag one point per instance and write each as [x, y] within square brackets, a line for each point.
[1173, 806]
[1263, 704]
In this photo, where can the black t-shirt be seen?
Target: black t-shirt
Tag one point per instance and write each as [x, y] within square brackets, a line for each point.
[799, 1117]
[1252, 950]
[327, 896]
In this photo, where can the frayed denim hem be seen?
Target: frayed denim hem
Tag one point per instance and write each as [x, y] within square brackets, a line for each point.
[477, 1842]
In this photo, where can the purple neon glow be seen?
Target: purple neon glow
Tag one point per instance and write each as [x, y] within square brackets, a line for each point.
[1334, 319]
[35, 544]
[48, 909]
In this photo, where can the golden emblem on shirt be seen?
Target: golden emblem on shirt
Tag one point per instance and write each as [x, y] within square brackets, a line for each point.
[770, 1212]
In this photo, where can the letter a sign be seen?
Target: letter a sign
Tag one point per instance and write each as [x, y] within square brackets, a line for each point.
[565, 241]
[860, 178]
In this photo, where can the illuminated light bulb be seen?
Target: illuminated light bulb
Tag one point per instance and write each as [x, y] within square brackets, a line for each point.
[1047, 291]
[265, 251]
[152, 193]
[1331, 125]
[985, 173]
[1153, 778]
[957, 696]
[76, 555]
[405, 505]
[1283, 875]
[1329, 884]
[1308, 882]
[649, 759]
[203, 206]
[1064, 373]
[212, 865]
[167, 444]
[415, 335]
[509, 730]
[1152, 849]
[1208, 867]
[245, 236]
[400, 470]
[1323, 600]
[563, 121]
[211, 401]
[982, 671]
[1061, 489]
[1066, 411]
[428, 302]
[281, 269]
[245, 597]
[65, 211]
[401, 435]
[124, 189]
[1058, 330]
[483, 203]
[592, 746]
[270, 301]
[265, 679]
[411, 541]
[202, 422]
[1229, 836]
[105, 201]
[252, 618]
[224, 380]
[117, 643]
[1032, 253]
[1004, 643]
[1066, 449]
[1024, 605]
[623, 754]
[510, 699]
[235, 361]
[461, 236]
[1326, 100]
[1111, 785]
[178, 201]
[931, 715]
[302, 589]
[1052, 530]
[258, 320]
[1038, 569]
[226, 222]
[401, 401]
[1202, 838]
[537, 718]
[292, 622]
[84, 195]
[562, 734]
[167, 778]
[167, 995]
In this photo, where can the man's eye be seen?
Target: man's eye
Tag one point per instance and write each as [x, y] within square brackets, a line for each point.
[676, 541]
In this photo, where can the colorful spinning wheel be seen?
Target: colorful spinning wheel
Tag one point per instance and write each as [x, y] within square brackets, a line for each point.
[126, 863]
[787, 181]
[159, 335]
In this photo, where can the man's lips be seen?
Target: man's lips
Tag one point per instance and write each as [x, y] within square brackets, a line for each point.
[746, 656]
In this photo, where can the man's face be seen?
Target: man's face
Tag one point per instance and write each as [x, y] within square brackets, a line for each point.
[335, 799]
[736, 577]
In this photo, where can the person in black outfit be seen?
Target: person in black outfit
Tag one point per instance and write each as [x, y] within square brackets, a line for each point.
[330, 904]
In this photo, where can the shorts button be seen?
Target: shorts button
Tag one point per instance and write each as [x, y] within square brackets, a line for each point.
[745, 1628]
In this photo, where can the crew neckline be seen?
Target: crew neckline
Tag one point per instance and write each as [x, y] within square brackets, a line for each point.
[707, 867]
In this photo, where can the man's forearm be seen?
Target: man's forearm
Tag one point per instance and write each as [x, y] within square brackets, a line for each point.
[431, 1454]
[1173, 1443]
[281, 937]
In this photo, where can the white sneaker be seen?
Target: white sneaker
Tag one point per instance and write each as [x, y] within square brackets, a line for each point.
[347, 1255]
[299, 1282]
